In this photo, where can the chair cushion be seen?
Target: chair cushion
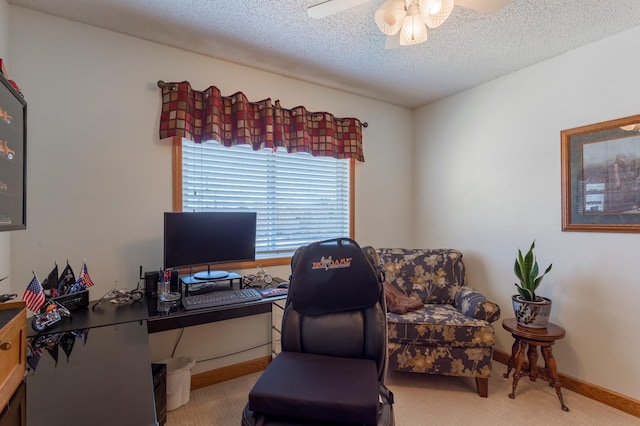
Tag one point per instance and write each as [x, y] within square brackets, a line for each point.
[429, 275]
[439, 325]
[318, 387]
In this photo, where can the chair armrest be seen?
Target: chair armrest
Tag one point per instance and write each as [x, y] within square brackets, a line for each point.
[472, 303]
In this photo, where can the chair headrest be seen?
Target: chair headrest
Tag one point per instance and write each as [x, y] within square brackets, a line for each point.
[333, 276]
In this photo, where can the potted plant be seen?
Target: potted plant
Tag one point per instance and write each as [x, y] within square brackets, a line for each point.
[530, 310]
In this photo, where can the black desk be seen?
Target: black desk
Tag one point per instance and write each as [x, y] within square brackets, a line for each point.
[178, 317]
[104, 314]
[106, 380]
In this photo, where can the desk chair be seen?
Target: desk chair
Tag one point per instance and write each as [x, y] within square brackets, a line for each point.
[332, 366]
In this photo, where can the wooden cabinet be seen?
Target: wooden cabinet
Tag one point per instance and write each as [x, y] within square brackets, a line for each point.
[15, 413]
[13, 325]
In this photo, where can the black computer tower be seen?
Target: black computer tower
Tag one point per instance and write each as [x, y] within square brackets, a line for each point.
[160, 391]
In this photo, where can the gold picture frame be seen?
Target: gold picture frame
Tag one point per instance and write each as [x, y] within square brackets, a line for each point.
[601, 176]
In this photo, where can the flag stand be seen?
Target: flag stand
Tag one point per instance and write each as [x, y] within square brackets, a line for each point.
[73, 301]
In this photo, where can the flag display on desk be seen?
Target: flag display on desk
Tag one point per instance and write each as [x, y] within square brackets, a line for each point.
[34, 295]
[67, 280]
[85, 279]
[51, 282]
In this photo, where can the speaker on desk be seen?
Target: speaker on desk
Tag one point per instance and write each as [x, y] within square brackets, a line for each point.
[151, 283]
[174, 284]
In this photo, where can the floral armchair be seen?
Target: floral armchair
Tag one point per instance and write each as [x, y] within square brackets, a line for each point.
[437, 324]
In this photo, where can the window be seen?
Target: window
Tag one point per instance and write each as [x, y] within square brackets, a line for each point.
[299, 198]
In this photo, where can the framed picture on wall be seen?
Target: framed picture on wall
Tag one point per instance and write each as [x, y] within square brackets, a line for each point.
[13, 158]
[601, 176]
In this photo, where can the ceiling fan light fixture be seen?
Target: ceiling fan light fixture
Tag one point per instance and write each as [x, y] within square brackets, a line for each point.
[413, 30]
[435, 12]
[433, 7]
[390, 16]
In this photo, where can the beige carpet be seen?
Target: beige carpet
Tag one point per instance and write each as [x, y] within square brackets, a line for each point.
[428, 400]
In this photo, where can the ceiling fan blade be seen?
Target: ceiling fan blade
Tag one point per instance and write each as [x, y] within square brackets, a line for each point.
[484, 6]
[331, 7]
[392, 41]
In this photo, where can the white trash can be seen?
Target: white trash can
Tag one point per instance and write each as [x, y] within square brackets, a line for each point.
[178, 380]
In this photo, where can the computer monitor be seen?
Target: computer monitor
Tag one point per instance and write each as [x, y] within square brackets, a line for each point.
[208, 238]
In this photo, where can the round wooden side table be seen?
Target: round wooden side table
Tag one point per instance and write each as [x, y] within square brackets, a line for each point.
[534, 338]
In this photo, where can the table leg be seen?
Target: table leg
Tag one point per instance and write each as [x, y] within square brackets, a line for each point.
[532, 356]
[518, 368]
[512, 360]
[550, 365]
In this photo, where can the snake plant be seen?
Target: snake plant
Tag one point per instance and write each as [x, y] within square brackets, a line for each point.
[526, 269]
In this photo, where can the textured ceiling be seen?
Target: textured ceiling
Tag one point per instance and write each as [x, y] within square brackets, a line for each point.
[346, 51]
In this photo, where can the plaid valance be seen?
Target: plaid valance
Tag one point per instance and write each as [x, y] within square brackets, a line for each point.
[233, 120]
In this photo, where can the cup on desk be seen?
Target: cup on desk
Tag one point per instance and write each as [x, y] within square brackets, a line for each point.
[163, 288]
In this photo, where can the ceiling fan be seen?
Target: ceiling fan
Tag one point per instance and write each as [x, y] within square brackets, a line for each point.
[405, 21]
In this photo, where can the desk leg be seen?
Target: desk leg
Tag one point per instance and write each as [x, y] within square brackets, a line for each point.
[550, 365]
[518, 369]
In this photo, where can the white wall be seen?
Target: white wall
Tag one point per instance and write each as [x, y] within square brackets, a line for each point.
[488, 182]
[99, 179]
[5, 237]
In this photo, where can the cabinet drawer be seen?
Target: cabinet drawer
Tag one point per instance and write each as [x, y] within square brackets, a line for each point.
[12, 350]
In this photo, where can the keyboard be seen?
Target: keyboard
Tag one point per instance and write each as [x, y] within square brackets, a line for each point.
[220, 298]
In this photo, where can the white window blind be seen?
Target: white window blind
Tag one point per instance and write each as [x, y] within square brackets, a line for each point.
[298, 198]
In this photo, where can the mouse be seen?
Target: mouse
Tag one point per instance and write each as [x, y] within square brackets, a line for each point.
[283, 285]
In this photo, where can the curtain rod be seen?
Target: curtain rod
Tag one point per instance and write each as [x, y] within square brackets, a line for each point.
[162, 85]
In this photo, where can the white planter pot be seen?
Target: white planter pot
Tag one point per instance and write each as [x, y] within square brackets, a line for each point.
[531, 314]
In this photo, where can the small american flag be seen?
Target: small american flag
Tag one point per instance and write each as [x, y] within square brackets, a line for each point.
[34, 295]
[85, 279]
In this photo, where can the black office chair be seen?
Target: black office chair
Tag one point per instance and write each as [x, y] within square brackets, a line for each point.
[332, 366]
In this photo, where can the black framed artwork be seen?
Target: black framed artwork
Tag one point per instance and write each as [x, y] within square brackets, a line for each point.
[13, 157]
